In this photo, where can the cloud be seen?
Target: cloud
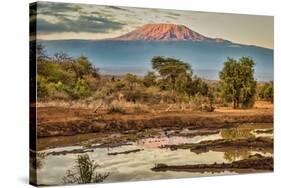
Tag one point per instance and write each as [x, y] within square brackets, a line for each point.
[57, 8]
[60, 17]
[90, 24]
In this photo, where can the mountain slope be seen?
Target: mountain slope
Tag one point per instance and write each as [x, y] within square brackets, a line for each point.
[165, 32]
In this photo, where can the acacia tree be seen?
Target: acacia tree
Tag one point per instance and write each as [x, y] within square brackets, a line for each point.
[175, 72]
[237, 82]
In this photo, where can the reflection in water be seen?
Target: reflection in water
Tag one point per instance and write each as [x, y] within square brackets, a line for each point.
[37, 159]
[84, 172]
[234, 155]
[137, 166]
[236, 133]
[174, 140]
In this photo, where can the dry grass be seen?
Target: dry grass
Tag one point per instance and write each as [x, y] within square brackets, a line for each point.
[259, 105]
[123, 107]
[83, 104]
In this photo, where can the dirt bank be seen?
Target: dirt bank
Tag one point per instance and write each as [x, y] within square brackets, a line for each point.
[59, 121]
[252, 164]
[259, 143]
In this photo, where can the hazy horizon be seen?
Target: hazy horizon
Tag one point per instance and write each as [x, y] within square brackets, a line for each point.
[119, 57]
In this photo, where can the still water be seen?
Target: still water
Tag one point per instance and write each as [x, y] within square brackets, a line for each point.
[137, 166]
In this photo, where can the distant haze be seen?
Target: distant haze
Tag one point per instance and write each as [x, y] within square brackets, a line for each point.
[205, 57]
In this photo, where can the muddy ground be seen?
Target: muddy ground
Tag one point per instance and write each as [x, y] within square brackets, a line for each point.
[259, 143]
[59, 121]
[253, 164]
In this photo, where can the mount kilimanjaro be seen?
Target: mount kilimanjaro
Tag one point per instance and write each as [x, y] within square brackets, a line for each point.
[165, 32]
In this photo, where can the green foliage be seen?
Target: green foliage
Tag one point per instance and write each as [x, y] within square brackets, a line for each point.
[81, 89]
[131, 81]
[82, 66]
[42, 87]
[63, 77]
[237, 82]
[67, 78]
[198, 86]
[175, 72]
[266, 92]
[182, 82]
[149, 79]
[57, 91]
[84, 172]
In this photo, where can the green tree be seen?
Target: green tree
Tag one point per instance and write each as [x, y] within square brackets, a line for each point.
[198, 86]
[237, 82]
[83, 66]
[266, 92]
[174, 71]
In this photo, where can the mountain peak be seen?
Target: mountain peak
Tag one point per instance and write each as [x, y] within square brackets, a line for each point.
[165, 32]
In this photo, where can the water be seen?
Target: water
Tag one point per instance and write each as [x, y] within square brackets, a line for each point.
[136, 166]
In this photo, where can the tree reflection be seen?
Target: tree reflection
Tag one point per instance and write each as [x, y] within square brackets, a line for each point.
[84, 172]
[37, 159]
[236, 133]
[234, 155]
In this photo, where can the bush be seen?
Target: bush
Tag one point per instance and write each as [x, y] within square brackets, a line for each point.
[126, 107]
[57, 91]
[81, 89]
[115, 107]
[149, 79]
[42, 87]
[266, 92]
[198, 86]
[201, 103]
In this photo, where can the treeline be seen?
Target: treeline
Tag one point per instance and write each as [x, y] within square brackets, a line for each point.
[61, 77]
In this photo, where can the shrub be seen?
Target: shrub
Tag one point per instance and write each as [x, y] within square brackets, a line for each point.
[57, 91]
[42, 87]
[81, 89]
[126, 107]
[201, 103]
[140, 108]
[149, 79]
[266, 92]
[116, 107]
